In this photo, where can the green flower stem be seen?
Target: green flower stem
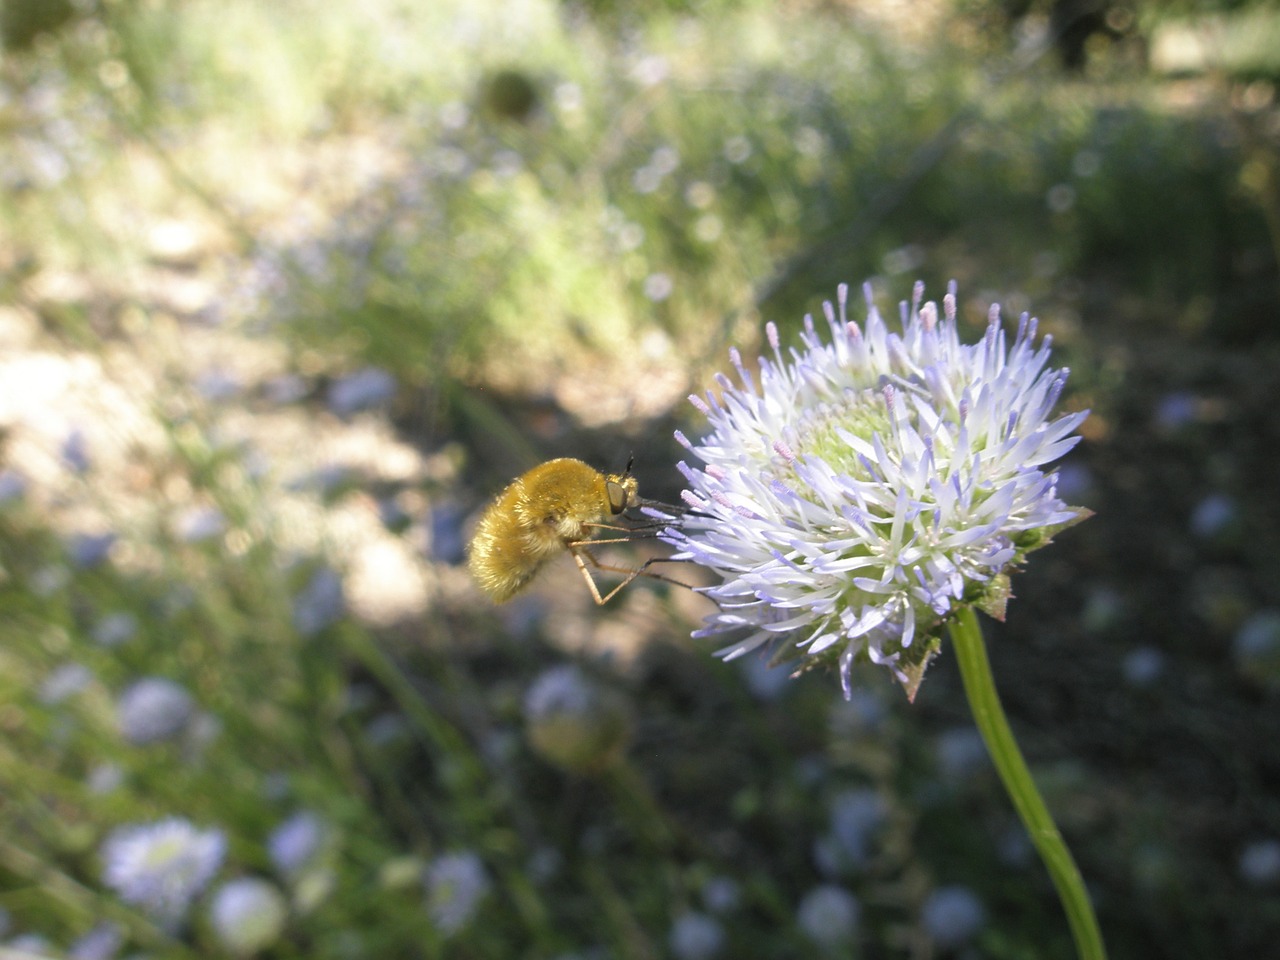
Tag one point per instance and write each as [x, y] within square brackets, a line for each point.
[980, 688]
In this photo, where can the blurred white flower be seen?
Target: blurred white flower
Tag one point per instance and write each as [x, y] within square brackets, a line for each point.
[867, 488]
[162, 866]
[153, 709]
[104, 778]
[247, 915]
[575, 722]
[456, 883]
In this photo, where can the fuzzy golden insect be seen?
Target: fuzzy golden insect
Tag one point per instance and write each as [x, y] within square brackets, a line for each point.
[558, 506]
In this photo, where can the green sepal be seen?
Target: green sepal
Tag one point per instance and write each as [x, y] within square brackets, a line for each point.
[915, 660]
[1029, 540]
[996, 596]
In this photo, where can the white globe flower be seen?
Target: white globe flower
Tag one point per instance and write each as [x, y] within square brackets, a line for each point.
[162, 866]
[869, 487]
[247, 915]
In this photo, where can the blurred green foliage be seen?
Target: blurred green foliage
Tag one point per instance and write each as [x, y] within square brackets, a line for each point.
[517, 210]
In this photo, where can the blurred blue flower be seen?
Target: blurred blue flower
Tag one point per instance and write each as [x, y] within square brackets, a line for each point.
[1260, 863]
[868, 488]
[362, 390]
[1256, 647]
[1014, 847]
[321, 603]
[75, 452]
[393, 515]
[961, 753]
[828, 915]
[247, 915]
[766, 680]
[63, 682]
[49, 579]
[13, 485]
[952, 915]
[286, 388]
[1143, 667]
[104, 778]
[103, 942]
[32, 946]
[88, 550]
[296, 842]
[860, 715]
[161, 867]
[1103, 608]
[856, 816]
[695, 936]
[115, 628]
[387, 729]
[447, 543]
[153, 709]
[721, 894]
[216, 384]
[545, 864]
[1175, 410]
[1076, 483]
[1213, 515]
[456, 885]
[199, 523]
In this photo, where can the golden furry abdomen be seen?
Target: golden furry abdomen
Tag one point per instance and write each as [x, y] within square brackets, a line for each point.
[533, 520]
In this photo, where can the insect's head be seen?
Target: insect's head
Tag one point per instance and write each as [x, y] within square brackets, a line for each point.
[622, 489]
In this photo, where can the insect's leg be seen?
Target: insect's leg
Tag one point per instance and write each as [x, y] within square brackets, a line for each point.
[582, 556]
[578, 553]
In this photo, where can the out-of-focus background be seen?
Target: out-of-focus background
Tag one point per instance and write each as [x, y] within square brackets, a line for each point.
[288, 289]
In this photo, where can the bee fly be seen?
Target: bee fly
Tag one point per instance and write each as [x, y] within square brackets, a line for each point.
[558, 506]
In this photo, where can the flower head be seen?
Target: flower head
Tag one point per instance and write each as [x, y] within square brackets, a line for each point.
[695, 936]
[575, 722]
[828, 915]
[153, 709]
[952, 916]
[247, 915]
[297, 842]
[868, 487]
[162, 866]
[456, 884]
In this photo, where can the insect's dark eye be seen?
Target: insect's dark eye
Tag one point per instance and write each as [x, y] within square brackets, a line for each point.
[617, 496]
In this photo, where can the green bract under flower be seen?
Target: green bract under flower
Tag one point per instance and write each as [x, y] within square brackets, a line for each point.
[869, 487]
